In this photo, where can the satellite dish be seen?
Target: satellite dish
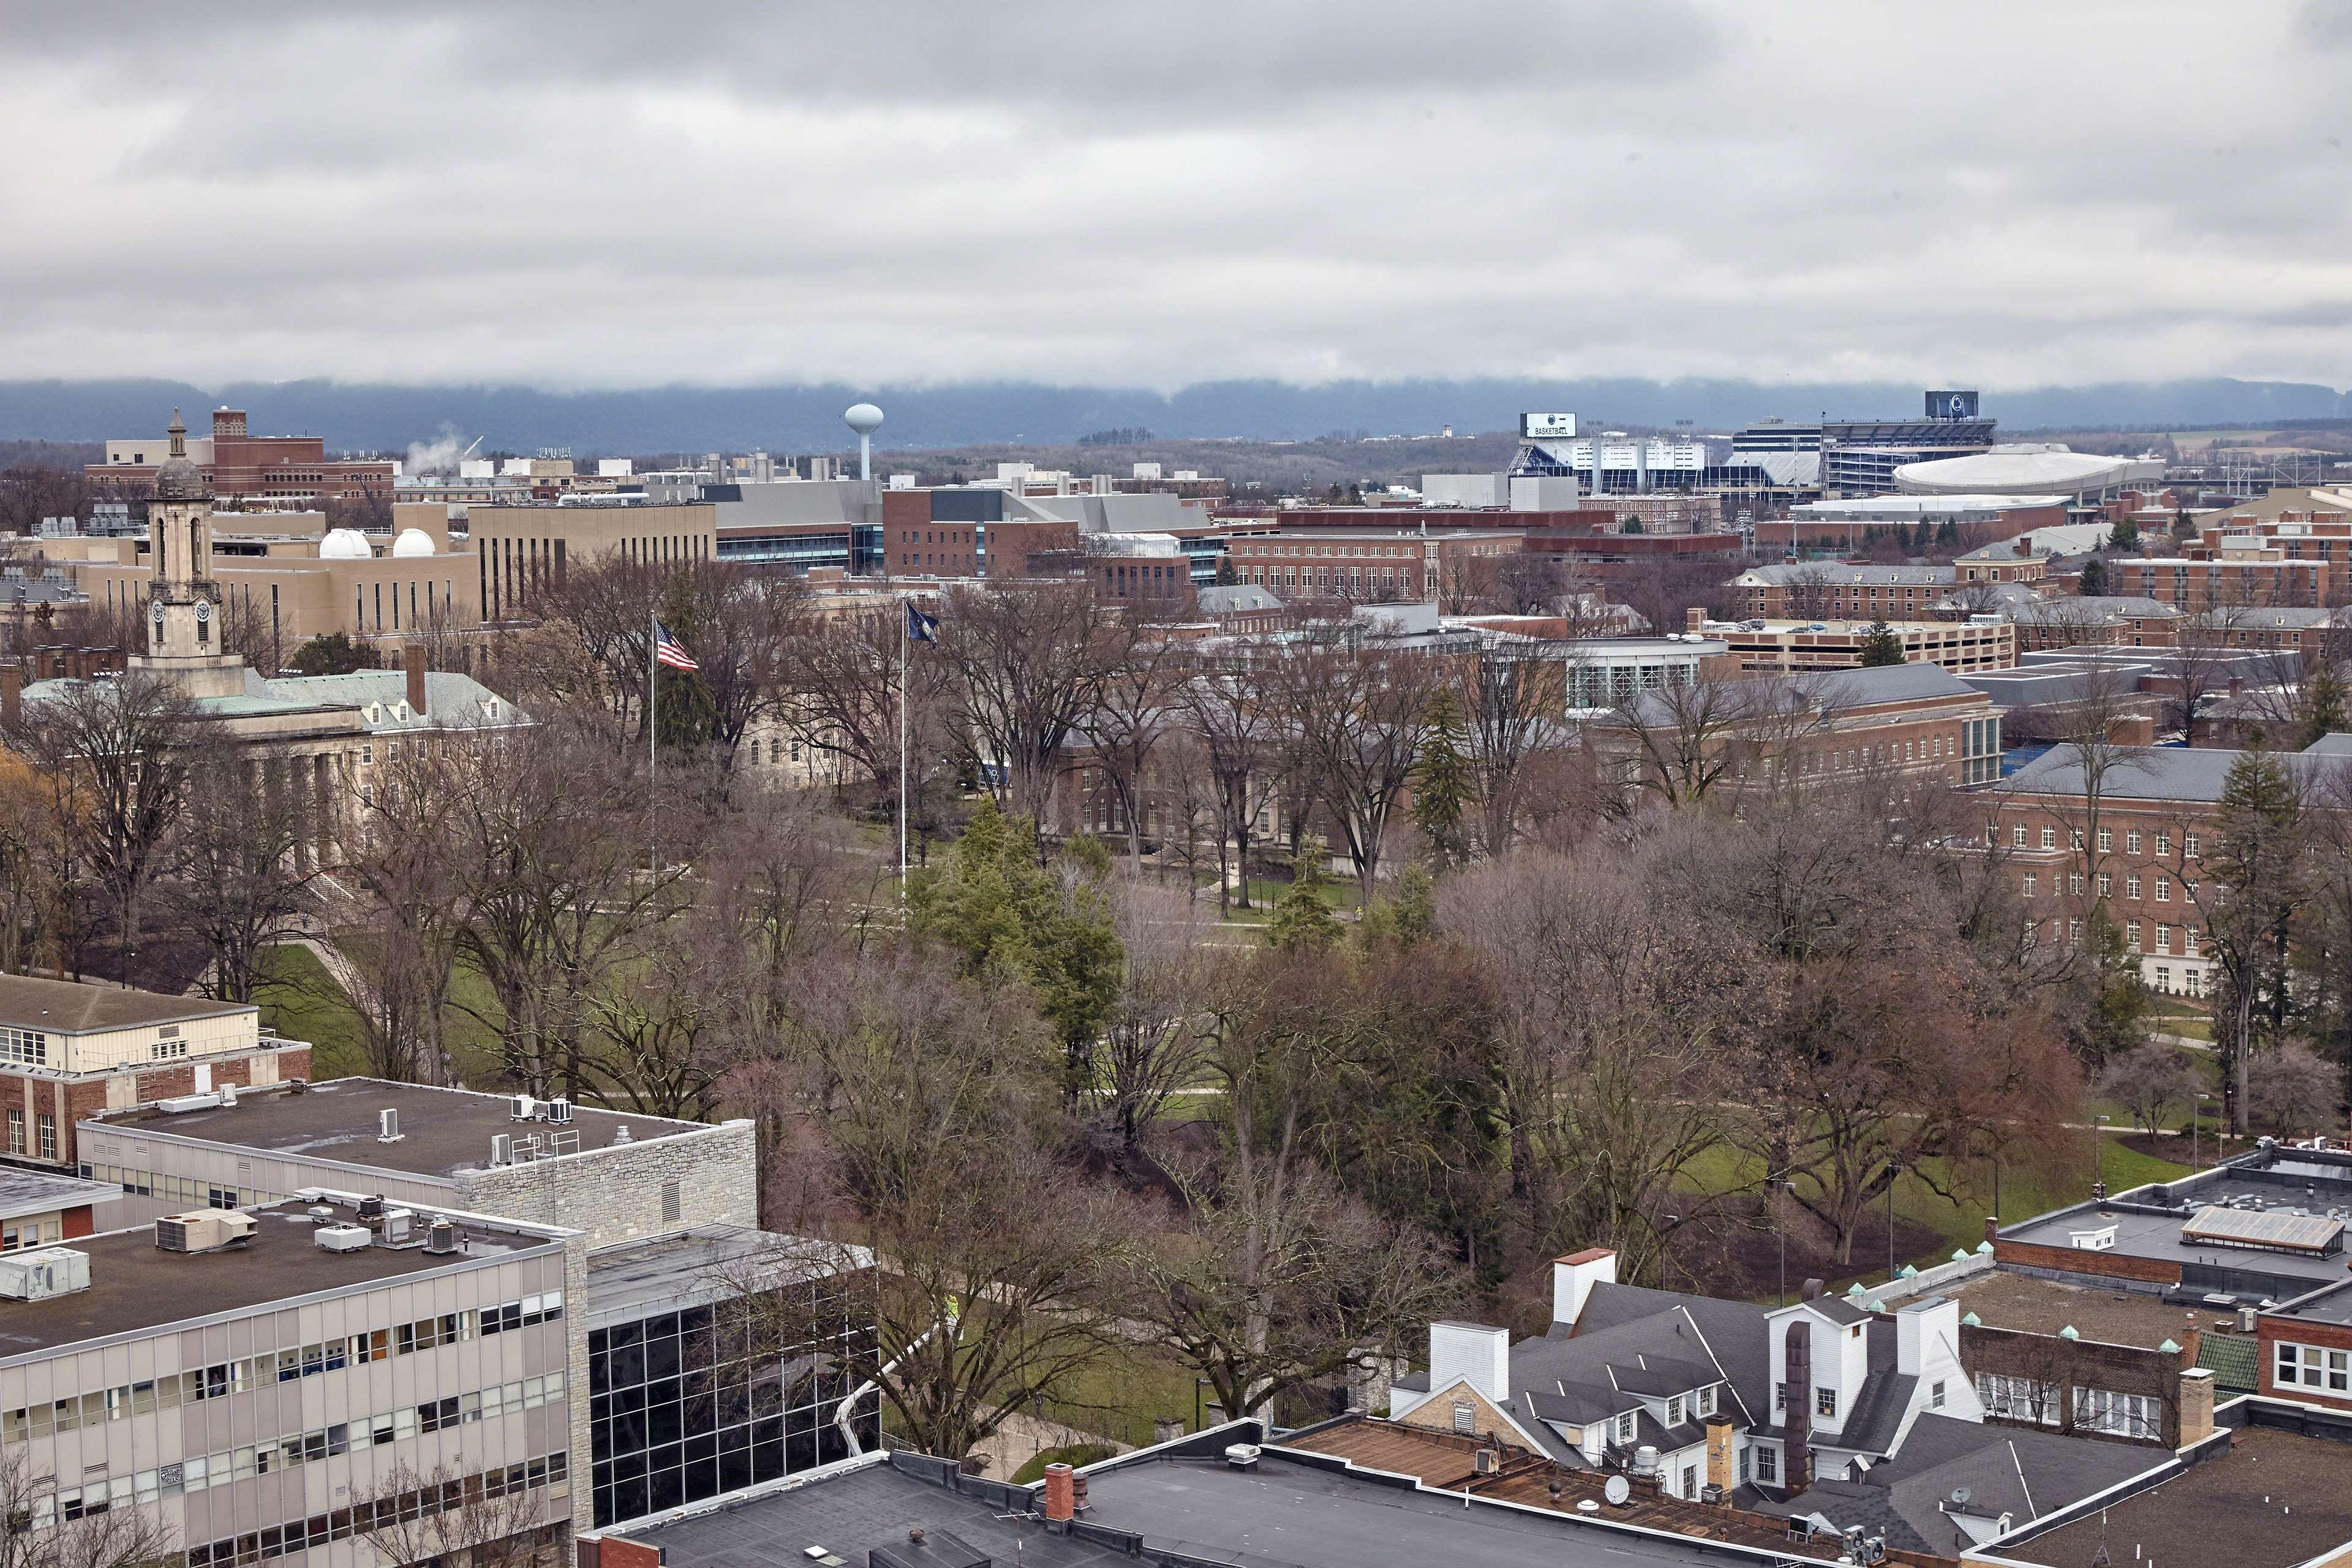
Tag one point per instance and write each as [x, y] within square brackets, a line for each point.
[1617, 1491]
[1960, 1497]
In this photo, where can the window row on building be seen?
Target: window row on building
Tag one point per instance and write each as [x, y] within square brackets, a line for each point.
[550, 1474]
[230, 1466]
[224, 1378]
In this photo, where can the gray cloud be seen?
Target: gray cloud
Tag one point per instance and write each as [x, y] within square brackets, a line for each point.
[595, 193]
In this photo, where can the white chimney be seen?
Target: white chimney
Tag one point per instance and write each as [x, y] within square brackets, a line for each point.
[1472, 1353]
[1926, 1330]
[1574, 1278]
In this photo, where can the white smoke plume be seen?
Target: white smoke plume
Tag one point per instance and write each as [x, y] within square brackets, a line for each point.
[437, 455]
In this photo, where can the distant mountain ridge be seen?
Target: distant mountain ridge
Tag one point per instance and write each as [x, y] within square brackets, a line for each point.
[805, 418]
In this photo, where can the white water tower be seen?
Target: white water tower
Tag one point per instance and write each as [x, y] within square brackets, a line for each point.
[864, 419]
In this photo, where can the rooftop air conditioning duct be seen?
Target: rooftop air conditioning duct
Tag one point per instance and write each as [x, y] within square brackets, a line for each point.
[388, 1127]
[502, 1149]
[342, 1238]
[37, 1276]
[559, 1110]
[180, 1105]
[520, 1107]
[204, 1230]
[1243, 1456]
[441, 1237]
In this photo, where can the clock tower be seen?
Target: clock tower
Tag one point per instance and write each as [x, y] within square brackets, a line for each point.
[184, 629]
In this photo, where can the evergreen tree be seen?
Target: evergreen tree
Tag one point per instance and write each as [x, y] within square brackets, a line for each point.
[1880, 646]
[1226, 575]
[1302, 920]
[1408, 919]
[1949, 534]
[2258, 883]
[329, 653]
[1442, 784]
[2095, 578]
[2323, 707]
[1010, 920]
[2125, 534]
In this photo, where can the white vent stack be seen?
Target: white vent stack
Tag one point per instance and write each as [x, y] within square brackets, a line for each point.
[864, 419]
[388, 1127]
[621, 1133]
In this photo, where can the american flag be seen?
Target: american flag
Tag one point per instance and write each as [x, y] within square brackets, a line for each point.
[669, 651]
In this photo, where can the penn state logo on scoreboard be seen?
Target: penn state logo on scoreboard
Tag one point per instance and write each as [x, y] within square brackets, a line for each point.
[1951, 406]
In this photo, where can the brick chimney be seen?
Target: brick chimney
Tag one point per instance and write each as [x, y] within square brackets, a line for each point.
[1718, 1453]
[1695, 618]
[413, 660]
[2196, 1406]
[12, 694]
[1062, 1494]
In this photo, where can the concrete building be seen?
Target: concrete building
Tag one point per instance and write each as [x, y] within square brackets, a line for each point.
[237, 463]
[69, 1051]
[520, 549]
[2029, 469]
[1842, 525]
[261, 1382]
[665, 1218]
[38, 1209]
[1784, 648]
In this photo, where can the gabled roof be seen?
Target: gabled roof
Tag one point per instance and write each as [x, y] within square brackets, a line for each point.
[32, 1003]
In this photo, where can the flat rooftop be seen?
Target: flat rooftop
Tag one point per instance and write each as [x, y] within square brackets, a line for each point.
[442, 1131]
[71, 1007]
[1309, 1517]
[136, 1286]
[2147, 1220]
[24, 1191]
[2329, 1304]
[2004, 1301]
[852, 1512]
[2274, 1499]
[688, 1268]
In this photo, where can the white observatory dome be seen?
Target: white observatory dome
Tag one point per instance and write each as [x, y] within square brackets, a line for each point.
[413, 541]
[862, 418]
[345, 544]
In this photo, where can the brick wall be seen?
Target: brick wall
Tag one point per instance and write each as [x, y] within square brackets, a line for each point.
[72, 1100]
[2270, 1331]
[1436, 1413]
[2071, 1364]
[2070, 1260]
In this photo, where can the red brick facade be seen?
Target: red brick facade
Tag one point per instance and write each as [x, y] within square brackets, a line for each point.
[2073, 1260]
[64, 1101]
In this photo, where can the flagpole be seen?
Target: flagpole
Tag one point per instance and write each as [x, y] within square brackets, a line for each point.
[906, 637]
[653, 752]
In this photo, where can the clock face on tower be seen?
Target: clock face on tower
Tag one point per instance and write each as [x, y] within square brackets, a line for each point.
[203, 609]
[159, 612]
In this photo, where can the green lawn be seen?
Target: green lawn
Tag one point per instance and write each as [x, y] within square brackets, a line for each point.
[308, 1006]
[1121, 1396]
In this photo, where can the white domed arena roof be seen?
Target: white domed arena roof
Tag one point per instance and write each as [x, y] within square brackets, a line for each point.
[2025, 470]
[345, 544]
[412, 542]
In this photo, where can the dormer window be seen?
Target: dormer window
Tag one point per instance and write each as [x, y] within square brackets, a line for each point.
[1625, 1428]
[1704, 1399]
[1674, 1411]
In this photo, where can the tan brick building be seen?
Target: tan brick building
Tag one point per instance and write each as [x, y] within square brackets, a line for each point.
[237, 463]
[1367, 563]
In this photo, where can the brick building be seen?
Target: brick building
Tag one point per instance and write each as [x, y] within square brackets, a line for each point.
[965, 533]
[237, 463]
[2106, 620]
[2308, 631]
[2304, 1347]
[1822, 590]
[2142, 862]
[2253, 579]
[69, 1051]
[1368, 563]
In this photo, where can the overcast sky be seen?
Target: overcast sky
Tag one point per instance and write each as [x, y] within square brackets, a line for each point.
[600, 193]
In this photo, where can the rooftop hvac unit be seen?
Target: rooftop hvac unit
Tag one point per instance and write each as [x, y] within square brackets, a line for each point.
[399, 1226]
[441, 1237]
[559, 1110]
[1487, 1462]
[180, 1105]
[36, 1275]
[371, 1208]
[521, 1107]
[202, 1230]
[388, 1127]
[340, 1238]
[1243, 1456]
[502, 1149]
[229, 1097]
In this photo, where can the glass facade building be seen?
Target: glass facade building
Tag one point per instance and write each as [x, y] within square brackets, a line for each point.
[688, 1404]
